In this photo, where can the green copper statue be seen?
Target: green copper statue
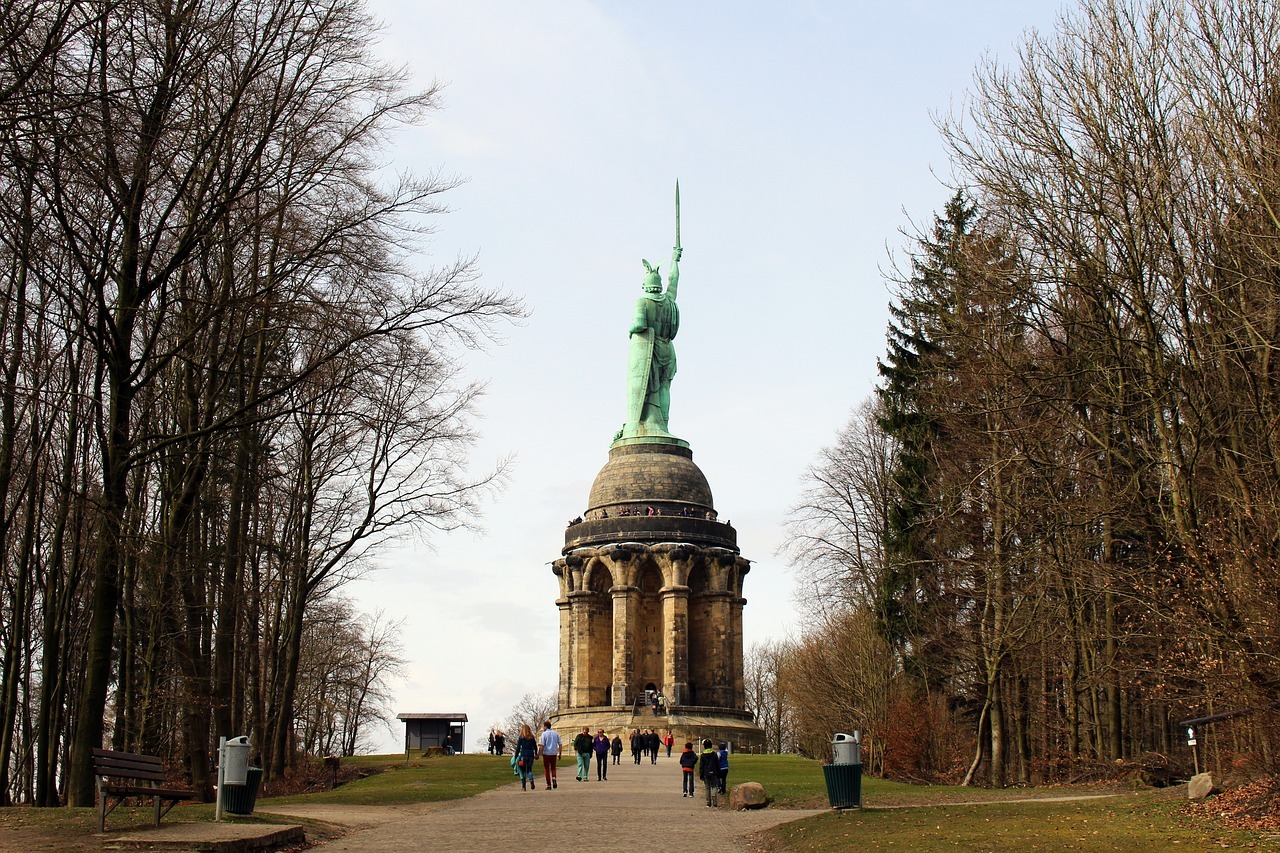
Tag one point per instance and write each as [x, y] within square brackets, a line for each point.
[652, 362]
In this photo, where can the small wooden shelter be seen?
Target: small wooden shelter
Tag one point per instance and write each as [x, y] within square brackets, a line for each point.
[426, 730]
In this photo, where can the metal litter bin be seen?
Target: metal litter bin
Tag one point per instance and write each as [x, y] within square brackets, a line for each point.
[844, 774]
[235, 760]
[846, 749]
[240, 799]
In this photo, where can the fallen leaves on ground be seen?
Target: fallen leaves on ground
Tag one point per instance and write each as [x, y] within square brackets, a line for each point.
[1254, 807]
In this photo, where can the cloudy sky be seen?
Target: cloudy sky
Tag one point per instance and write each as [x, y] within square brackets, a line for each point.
[802, 136]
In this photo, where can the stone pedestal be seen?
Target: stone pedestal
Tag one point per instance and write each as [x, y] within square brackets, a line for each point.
[651, 601]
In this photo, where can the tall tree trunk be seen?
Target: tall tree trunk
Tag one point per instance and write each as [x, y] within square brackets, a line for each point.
[105, 598]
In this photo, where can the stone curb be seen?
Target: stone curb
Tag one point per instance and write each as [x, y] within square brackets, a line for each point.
[212, 837]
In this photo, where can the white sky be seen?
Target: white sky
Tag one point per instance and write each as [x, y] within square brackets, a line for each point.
[801, 134]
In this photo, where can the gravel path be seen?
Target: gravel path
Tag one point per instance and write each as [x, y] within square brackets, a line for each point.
[639, 807]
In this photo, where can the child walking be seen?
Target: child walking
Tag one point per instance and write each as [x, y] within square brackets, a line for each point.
[709, 770]
[688, 760]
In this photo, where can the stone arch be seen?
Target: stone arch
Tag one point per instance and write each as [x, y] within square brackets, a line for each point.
[596, 573]
[650, 634]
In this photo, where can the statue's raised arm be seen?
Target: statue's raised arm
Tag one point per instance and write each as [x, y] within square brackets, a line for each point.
[673, 277]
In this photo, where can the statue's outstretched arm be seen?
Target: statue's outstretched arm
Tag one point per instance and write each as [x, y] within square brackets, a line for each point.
[673, 279]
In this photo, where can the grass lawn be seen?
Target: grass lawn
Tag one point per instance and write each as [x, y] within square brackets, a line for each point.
[440, 778]
[894, 815]
[65, 829]
[798, 783]
[931, 818]
[1134, 823]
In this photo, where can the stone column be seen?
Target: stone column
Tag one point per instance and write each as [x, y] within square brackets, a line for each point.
[579, 650]
[738, 688]
[737, 602]
[566, 652]
[675, 653]
[721, 652]
[624, 629]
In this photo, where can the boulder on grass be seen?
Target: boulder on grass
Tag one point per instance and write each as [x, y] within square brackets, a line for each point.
[1203, 785]
[748, 795]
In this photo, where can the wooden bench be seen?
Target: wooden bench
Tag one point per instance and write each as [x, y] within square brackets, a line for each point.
[127, 774]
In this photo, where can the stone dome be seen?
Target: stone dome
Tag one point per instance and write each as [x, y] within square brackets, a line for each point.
[662, 475]
[650, 475]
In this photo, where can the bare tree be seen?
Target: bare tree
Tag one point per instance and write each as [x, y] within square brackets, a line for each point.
[532, 710]
[837, 530]
[199, 261]
[768, 699]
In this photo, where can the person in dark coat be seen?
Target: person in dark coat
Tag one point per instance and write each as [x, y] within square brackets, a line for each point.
[655, 743]
[688, 761]
[600, 746]
[617, 749]
[637, 744]
[582, 747]
[709, 771]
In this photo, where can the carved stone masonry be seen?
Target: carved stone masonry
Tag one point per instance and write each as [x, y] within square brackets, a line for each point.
[651, 603]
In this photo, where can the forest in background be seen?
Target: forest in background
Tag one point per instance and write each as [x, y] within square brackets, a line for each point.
[225, 379]
[1054, 530]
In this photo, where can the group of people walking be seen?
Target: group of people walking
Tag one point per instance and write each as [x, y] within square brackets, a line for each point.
[528, 750]
[599, 746]
[648, 742]
[711, 766]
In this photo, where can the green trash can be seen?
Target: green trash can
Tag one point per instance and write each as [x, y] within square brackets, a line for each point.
[844, 785]
[240, 799]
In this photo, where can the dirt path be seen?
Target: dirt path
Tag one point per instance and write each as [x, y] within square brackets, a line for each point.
[638, 807]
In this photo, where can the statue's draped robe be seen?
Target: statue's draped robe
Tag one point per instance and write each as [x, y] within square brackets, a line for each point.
[653, 358]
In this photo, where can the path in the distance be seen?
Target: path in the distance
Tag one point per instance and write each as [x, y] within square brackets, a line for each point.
[640, 808]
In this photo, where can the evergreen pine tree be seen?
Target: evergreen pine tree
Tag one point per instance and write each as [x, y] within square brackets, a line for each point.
[911, 597]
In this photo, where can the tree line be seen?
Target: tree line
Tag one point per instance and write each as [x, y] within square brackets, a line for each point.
[1054, 530]
[225, 379]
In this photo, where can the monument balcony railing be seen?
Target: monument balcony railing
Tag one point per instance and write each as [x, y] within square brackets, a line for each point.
[650, 529]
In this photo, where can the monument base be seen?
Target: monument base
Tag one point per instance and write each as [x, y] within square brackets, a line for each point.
[687, 724]
[640, 434]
